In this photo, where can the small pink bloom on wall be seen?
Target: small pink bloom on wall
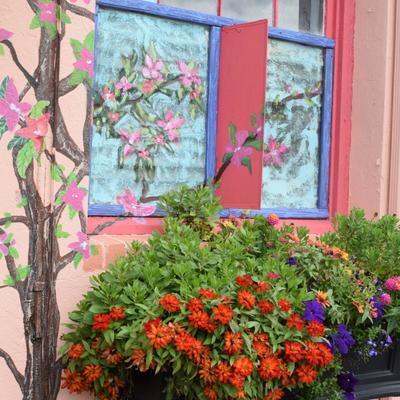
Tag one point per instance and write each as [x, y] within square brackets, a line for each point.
[144, 154]
[3, 245]
[74, 196]
[130, 139]
[274, 153]
[170, 124]
[82, 245]
[113, 116]
[85, 1]
[159, 139]
[238, 150]
[106, 94]
[11, 108]
[152, 69]
[47, 12]
[148, 86]
[36, 130]
[189, 75]
[124, 84]
[131, 205]
[4, 34]
[86, 62]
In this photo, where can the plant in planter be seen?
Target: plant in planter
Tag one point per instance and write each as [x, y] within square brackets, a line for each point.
[226, 309]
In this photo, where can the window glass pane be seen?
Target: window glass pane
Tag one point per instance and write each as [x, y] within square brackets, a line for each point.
[249, 10]
[150, 105]
[206, 6]
[292, 128]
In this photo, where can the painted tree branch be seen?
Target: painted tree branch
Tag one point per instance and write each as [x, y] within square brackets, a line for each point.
[11, 365]
[83, 12]
[100, 228]
[14, 57]
[15, 219]
[64, 87]
[64, 261]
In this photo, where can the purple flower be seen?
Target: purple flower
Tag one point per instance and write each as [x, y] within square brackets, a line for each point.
[291, 261]
[343, 340]
[239, 152]
[378, 308]
[314, 311]
[349, 396]
[82, 246]
[347, 382]
[74, 197]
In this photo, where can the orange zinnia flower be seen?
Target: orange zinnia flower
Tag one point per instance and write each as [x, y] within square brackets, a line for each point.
[139, 360]
[306, 374]
[160, 336]
[243, 366]
[294, 321]
[266, 307]
[112, 356]
[270, 368]
[101, 322]
[113, 387]
[199, 320]
[223, 372]
[322, 298]
[117, 313]
[170, 303]
[284, 305]
[195, 305]
[261, 286]
[315, 329]
[233, 343]
[294, 351]
[275, 394]
[246, 299]
[207, 293]
[92, 372]
[76, 351]
[223, 314]
[73, 381]
[244, 281]
[210, 393]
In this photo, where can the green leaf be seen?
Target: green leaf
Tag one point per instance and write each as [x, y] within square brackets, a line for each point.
[3, 86]
[56, 171]
[60, 234]
[109, 336]
[256, 144]
[72, 212]
[51, 30]
[76, 48]
[227, 158]
[152, 51]
[35, 23]
[22, 272]
[2, 52]
[89, 41]
[77, 77]
[254, 120]
[62, 16]
[77, 259]
[37, 109]
[16, 141]
[232, 132]
[93, 250]
[14, 253]
[9, 281]
[3, 127]
[24, 158]
[247, 163]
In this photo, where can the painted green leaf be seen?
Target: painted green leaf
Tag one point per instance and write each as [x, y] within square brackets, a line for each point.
[37, 109]
[227, 158]
[256, 144]
[254, 120]
[152, 51]
[77, 77]
[3, 127]
[22, 272]
[72, 212]
[60, 234]
[25, 157]
[247, 163]
[1, 50]
[93, 250]
[35, 23]
[89, 41]
[56, 171]
[232, 132]
[9, 281]
[3, 86]
[76, 48]
[51, 30]
[77, 259]
[62, 16]
[23, 202]
[14, 253]
[16, 141]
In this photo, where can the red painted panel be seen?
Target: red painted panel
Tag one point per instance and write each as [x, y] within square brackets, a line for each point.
[243, 72]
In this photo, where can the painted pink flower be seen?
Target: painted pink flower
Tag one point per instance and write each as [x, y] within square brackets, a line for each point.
[107, 94]
[288, 88]
[152, 69]
[48, 12]
[194, 94]
[4, 34]
[132, 206]
[148, 86]
[274, 153]
[159, 139]
[11, 108]
[170, 124]
[36, 130]
[74, 196]
[144, 154]
[3, 245]
[130, 139]
[86, 62]
[124, 84]
[82, 246]
[260, 127]
[189, 75]
[113, 116]
[85, 1]
[393, 283]
[239, 152]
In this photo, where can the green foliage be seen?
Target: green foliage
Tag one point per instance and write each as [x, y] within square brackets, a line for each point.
[25, 157]
[38, 108]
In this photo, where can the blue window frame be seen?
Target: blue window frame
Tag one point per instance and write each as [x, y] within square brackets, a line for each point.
[216, 23]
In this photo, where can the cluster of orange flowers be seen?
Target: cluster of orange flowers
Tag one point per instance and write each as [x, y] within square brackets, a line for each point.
[101, 322]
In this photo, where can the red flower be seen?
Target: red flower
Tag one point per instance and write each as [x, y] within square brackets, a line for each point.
[244, 281]
[294, 351]
[223, 372]
[117, 313]
[275, 394]
[73, 381]
[266, 307]
[101, 322]
[159, 335]
[284, 305]
[270, 368]
[207, 293]
[223, 314]
[210, 393]
[318, 354]
[233, 343]
[147, 326]
[237, 380]
[262, 286]
[315, 329]
[92, 372]
[199, 320]
[272, 275]
[170, 303]
[294, 321]
[246, 299]
[260, 344]
[195, 305]
[306, 374]
[243, 366]
[75, 351]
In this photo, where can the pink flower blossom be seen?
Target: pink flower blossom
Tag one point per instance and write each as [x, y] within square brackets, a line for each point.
[144, 154]
[159, 139]
[113, 116]
[74, 196]
[148, 86]
[260, 127]
[4, 34]
[274, 153]
[189, 75]
[48, 12]
[132, 206]
[385, 299]
[82, 246]
[85, 1]
[288, 88]
[170, 124]
[194, 94]
[272, 275]
[152, 69]
[107, 94]
[239, 152]
[124, 84]
[36, 130]
[393, 284]
[86, 62]
[11, 108]
[130, 139]
[273, 219]
[4, 246]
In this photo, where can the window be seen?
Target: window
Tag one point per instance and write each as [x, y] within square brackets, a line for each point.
[144, 53]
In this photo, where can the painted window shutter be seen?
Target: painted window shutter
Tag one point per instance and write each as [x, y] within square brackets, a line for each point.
[240, 129]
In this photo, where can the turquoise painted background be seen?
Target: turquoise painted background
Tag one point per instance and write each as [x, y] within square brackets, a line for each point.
[119, 33]
[293, 69]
